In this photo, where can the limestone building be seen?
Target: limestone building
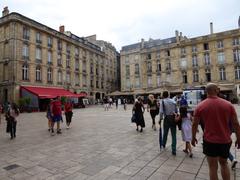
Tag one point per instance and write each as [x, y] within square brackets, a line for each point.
[33, 54]
[179, 62]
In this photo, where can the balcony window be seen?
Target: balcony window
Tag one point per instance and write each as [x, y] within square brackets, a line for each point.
[68, 49]
[205, 46]
[194, 61]
[149, 67]
[25, 72]
[49, 57]
[76, 64]
[59, 59]
[26, 33]
[149, 81]
[236, 55]
[50, 41]
[38, 53]
[220, 44]
[222, 73]
[195, 76]
[207, 60]
[76, 51]
[149, 56]
[184, 76]
[59, 45]
[137, 82]
[49, 75]
[68, 77]
[25, 52]
[59, 76]
[127, 70]
[168, 66]
[38, 38]
[159, 68]
[235, 41]
[38, 73]
[208, 75]
[194, 49]
[237, 72]
[221, 58]
[68, 62]
[183, 63]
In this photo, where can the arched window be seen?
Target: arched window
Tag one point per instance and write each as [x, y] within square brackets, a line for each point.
[49, 75]
[25, 72]
[38, 73]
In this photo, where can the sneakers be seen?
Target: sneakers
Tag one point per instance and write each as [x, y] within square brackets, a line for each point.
[52, 132]
[154, 127]
[59, 131]
[191, 155]
[234, 162]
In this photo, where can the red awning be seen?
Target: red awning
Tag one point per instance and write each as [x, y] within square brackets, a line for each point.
[43, 92]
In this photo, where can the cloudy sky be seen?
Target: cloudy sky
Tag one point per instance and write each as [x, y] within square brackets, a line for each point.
[127, 21]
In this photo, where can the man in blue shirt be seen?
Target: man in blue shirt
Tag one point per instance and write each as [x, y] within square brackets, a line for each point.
[168, 109]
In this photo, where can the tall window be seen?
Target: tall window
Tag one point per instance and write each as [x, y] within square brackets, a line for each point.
[194, 61]
[26, 33]
[25, 72]
[149, 56]
[76, 51]
[127, 70]
[222, 73]
[221, 57]
[184, 75]
[208, 75]
[137, 82]
[25, 51]
[126, 60]
[84, 80]
[159, 68]
[183, 51]
[220, 44]
[76, 64]
[236, 55]
[235, 41]
[49, 57]
[38, 73]
[205, 46]
[68, 77]
[168, 66]
[68, 62]
[194, 48]
[158, 80]
[207, 59]
[59, 59]
[149, 67]
[59, 45]
[38, 37]
[38, 54]
[149, 81]
[59, 76]
[50, 41]
[195, 76]
[49, 75]
[77, 79]
[127, 83]
[158, 55]
[237, 72]
[137, 69]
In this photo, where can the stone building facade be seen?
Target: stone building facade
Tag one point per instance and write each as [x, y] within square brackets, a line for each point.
[34, 54]
[178, 62]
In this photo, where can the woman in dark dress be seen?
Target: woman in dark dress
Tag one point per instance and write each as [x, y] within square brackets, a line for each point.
[153, 108]
[139, 109]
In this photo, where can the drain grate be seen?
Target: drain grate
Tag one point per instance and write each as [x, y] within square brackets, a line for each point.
[10, 167]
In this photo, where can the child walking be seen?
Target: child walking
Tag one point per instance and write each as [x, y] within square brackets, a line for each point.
[186, 127]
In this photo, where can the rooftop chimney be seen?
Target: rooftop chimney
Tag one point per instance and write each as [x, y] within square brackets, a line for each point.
[211, 28]
[180, 38]
[5, 11]
[177, 36]
[62, 29]
[142, 43]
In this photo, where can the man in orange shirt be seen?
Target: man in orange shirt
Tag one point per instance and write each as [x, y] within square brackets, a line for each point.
[217, 115]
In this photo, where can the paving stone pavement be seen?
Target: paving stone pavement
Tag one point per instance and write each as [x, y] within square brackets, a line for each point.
[100, 145]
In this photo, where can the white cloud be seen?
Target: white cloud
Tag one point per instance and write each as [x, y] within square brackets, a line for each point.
[127, 21]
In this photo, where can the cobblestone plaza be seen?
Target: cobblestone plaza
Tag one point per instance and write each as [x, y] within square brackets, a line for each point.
[100, 145]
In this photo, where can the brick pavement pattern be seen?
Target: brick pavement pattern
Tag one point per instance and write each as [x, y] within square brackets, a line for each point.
[100, 145]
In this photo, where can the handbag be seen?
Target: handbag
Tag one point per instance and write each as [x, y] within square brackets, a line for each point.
[133, 118]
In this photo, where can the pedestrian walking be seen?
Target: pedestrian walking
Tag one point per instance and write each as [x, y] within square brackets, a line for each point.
[217, 114]
[56, 110]
[68, 106]
[105, 102]
[138, 110]
[11, 118]
[168, 109]
[186, 127]
[153, 108]
[125, 104]
[49, 115]
[116, 101]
